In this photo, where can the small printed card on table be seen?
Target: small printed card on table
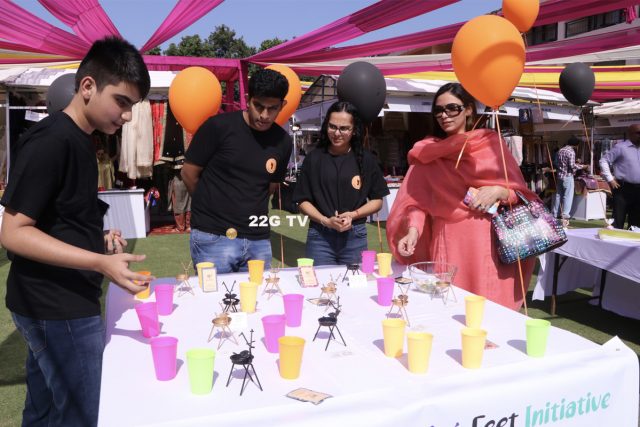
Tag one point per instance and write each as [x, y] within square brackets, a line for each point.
[358, 281]
[238, 321]
[306, 395]
[308, 277]
[209, 279]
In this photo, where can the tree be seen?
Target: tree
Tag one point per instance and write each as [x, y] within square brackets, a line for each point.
[155, 51]
[269, 43]
[224, 44]
[189, 46]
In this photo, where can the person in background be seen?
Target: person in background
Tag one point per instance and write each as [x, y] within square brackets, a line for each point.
[429, 220]
[624, 181]
[235, 161]
[52, 230]
[340, 186]
[565, 185]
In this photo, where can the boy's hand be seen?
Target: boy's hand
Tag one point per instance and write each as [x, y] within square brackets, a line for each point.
[116, 268]
[114, 243]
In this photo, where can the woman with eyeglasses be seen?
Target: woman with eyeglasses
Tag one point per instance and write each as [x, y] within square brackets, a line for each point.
[430, 221]
[340, 185]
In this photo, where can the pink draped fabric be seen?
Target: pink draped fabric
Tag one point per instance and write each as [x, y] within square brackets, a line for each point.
[631, 14]
[430, 199]
[21, 27]
[85, 17]
[371, 18]
[184, 13]
[224, 69]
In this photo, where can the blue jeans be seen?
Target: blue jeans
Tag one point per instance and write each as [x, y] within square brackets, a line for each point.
[228, 255]
[330, 247]
[64, 368]
[564, 194]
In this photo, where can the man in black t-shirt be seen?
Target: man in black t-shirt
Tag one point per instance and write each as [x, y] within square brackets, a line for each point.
[52, 229]
[235, 161]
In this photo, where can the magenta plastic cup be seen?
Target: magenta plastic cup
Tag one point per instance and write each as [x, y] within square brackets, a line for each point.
[368, 261]
[385, 290]
[293, 309]
[148, 316]
[273, 329]
[164, 298]
[164, 351]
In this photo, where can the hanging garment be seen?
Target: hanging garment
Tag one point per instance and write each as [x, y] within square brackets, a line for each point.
[136, 155]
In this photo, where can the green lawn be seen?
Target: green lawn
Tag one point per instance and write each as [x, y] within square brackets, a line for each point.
[164, 257]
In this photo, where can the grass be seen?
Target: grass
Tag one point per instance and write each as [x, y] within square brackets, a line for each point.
[166, 253]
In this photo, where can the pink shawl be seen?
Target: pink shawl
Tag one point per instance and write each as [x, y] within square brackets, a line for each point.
[433, 187]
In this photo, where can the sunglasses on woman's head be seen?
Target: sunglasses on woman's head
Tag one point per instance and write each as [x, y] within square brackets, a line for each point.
[452, 110]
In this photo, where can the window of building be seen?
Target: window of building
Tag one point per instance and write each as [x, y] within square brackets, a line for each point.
[543, 34]
[594, 22]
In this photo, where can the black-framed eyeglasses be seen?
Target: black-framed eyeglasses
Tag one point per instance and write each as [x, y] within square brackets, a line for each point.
[452, 110]
[341, 129]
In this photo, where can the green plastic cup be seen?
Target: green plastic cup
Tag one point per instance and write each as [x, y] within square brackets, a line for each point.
[304, 262]
[537, 333]
[200, 364]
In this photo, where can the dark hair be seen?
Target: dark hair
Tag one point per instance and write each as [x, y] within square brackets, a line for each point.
[356, 135]
[266, 83]
[459, 92]
[573, 141]
[111, 61]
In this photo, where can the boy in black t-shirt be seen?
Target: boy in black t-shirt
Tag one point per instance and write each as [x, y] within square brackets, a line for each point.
[234, 162]
[52, 228]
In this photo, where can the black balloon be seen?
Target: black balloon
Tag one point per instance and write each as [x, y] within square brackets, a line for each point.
[60, 92]
[363, 85]
[577, 82]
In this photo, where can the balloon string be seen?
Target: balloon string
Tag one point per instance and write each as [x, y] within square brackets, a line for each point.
[466, 138]
[281, 239]
[506, 178]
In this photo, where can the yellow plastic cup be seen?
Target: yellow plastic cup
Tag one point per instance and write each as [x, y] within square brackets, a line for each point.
[393, 333]
[256, 270]
[199, 267]
[291, 349]
[248, 296]
[384, 263]
[474, 310]
[419, 349]
[473, 341]
[304, 262]
[143, 294]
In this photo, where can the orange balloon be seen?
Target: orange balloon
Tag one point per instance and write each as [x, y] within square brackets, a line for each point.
[293, 95]
[195, 94]
[488, 58]
[521, 13]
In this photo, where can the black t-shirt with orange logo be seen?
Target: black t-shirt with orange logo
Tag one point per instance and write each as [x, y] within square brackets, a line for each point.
[334, 183]
[238, 165]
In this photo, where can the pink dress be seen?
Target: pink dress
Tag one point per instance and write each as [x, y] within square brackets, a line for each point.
[430, 199]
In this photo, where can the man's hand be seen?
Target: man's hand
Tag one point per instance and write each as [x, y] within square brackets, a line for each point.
[614, 184]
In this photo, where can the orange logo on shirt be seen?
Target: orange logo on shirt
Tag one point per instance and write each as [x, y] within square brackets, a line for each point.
[271, 165]
[356, 182]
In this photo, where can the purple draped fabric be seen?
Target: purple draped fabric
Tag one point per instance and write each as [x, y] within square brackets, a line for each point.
[85, 17]
[184, 13]
[23, 28]
[371, 18]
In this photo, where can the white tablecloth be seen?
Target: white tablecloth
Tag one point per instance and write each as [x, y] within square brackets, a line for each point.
[368, 388]
[587, 255]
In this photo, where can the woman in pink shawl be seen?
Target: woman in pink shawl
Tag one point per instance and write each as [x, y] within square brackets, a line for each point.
[430, 222]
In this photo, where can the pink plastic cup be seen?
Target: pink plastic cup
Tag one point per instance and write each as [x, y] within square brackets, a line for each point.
[368, 261]
[385, 290]
[148, 316]
[164, 298]
[273, 329]
[293, 309]
[164, 351]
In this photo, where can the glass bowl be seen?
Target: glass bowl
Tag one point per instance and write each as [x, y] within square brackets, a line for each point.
[432, 277]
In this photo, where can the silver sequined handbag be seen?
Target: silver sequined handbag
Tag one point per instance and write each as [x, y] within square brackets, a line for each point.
[526, 230]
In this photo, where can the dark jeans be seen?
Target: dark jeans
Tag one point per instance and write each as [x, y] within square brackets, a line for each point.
[228, 255]
[626, 202]
[64, 368]
[329, 247]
